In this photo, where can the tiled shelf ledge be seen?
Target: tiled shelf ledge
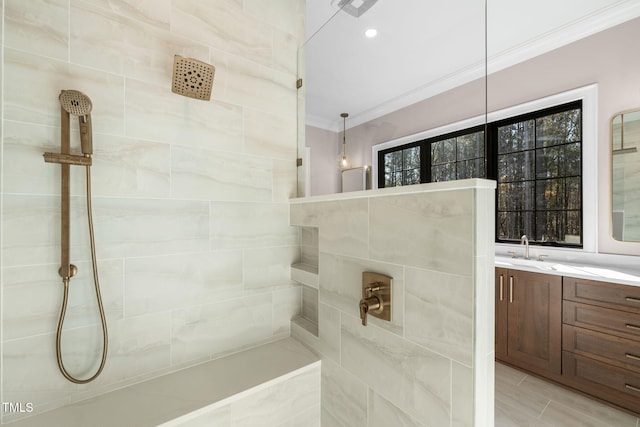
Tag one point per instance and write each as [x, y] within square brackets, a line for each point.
[304, 325]
[243, 384]
[305, 274]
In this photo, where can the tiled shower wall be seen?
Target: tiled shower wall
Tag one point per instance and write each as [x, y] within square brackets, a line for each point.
[432, 364]
[190, 197]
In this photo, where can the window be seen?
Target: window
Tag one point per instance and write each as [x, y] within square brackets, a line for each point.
[535, 158]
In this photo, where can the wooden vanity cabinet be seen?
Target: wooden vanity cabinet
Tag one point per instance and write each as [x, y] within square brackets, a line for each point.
[601, 340]
[529, 321]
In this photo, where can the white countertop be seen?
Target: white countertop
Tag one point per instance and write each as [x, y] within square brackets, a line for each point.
[624, 274]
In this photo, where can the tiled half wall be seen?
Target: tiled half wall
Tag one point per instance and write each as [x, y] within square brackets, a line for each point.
[432, 364]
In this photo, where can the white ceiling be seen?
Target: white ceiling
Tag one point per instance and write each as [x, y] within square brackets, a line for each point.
[425, 47]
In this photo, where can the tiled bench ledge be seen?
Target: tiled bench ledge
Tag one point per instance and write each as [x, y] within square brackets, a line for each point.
[268, 385]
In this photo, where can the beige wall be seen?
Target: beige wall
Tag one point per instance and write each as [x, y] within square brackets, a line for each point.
[606, 58]
[190, 197]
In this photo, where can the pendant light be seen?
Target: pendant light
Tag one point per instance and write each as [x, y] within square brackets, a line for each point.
[343, 159]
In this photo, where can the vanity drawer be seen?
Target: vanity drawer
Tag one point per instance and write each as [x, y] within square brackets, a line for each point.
[607, 348]
[603, 294]
[620, 323]
[617, 385]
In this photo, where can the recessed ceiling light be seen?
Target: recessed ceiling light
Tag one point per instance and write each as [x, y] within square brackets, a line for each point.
[371, 32]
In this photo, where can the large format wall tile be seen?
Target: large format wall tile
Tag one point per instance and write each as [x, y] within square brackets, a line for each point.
[182, 280]
[274, 137]
[32, 297]
[344, 225]
[383, 413]
[434, 232]
[268, 268]
[215, 175]
[341, 287]
[344, 396]
[223, 24]
[40, 27]
[129, 227]
[251, 225]
[154, 112]
[152, 12]
[167, 170]
[439, 313]
[36, 83]
[412, 378]
[221, 327]
[114, 43]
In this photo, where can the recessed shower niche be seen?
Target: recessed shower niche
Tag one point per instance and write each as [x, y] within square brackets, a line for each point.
[305, 272]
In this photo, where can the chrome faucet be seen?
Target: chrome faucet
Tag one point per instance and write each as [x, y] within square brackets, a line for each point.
[524, 240]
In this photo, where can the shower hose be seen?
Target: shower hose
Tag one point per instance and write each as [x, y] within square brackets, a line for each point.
[65, 282]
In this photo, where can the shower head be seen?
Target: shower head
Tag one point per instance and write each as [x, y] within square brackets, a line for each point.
[192, 78]
[77, 103]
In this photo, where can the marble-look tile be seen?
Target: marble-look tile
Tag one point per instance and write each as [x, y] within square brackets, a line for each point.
[219, 328]
[137, 346]
[122, 167]
[32, 297]
[484, 222]
[250, 225]
[153, 112]
[432, 230]
[152, 12]
[327, 340]
[30, 373]
[215, 175]
[269, 135]
[310, 303]
[344, 396]
[219, 417]
[285, 52]
[177, 281]
[309, 252]
[30, 229]
[286, 15]
[126, 167]
[132, 227]
[462, 396]
[270, 406]
[341, 287]
[24, 170]
[268, 268]
[36, 83]
[383, 413]
[439, 311]
[285, 184]
[409, 376]
[121, 45]
[344, 225]
[261, 88]
[224, 25]
[39, 27]
[286, 306]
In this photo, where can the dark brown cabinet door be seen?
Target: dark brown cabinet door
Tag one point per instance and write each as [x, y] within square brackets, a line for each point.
[533, 306]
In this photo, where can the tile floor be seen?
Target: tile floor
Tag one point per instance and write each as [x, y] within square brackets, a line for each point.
[526, 401]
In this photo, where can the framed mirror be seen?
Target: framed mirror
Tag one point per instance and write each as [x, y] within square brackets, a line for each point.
[625, 176]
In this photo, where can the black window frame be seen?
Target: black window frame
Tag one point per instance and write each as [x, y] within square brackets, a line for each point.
[491, 160]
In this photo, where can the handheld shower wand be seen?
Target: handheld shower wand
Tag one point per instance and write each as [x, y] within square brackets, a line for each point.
[79, 104]
[73, 102]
